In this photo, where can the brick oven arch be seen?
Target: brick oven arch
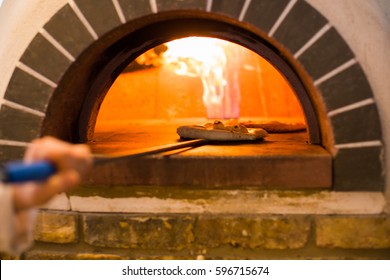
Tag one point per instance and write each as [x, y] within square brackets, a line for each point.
[345, 107]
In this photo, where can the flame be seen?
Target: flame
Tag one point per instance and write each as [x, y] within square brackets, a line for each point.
[213, 61]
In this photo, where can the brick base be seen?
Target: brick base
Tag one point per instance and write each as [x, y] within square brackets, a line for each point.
[69, 235]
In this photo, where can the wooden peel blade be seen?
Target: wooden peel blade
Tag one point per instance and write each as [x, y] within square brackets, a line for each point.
[101, 159]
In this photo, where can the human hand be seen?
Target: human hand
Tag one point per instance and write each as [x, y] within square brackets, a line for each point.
[72, 161]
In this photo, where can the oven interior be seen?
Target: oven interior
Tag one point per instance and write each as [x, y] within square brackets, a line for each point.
[196, 80]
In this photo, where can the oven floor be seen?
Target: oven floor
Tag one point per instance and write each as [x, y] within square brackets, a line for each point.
[121, 137]
[279, 161]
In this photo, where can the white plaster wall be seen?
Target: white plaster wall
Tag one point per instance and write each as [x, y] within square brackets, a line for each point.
[20, 20]
[365, 25]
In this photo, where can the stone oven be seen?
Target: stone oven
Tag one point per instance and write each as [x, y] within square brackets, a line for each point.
[318, 194]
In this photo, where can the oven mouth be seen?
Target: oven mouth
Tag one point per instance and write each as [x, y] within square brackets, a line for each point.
[195, 81]
[97, 68]
[225, 165]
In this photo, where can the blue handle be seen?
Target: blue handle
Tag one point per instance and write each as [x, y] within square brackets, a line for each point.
[18, 172]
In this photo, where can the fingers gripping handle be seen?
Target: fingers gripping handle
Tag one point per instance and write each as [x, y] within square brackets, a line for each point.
[18, 172]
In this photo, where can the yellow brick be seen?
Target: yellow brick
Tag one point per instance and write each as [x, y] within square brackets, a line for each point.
[56, 227]
[353, 232]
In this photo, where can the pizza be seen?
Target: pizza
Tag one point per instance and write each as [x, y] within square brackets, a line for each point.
[217, 131]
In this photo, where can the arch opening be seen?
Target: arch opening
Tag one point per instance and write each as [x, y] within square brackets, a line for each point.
[88, 81]
[196, 80]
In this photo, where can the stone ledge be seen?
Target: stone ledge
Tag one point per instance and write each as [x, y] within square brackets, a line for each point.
[59, 202]
[169, 200]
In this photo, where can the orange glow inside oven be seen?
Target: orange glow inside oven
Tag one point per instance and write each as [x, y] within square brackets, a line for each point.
[169, 86]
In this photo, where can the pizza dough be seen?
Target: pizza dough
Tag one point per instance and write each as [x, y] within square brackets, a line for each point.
[217, 131]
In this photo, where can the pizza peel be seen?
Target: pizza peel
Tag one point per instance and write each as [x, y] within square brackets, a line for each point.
[17, 172]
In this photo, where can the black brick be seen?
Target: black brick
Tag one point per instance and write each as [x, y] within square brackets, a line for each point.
[264, 13]
[134, 9]
[11, 153]
[100, 14]
[302, 23]
[346, 88]
[230, 8]
[163, 5]
[359, 169]
[361, 124]
[28, 91]
[43, 57]
[326, 54]
[18, 125]
[69, 31]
